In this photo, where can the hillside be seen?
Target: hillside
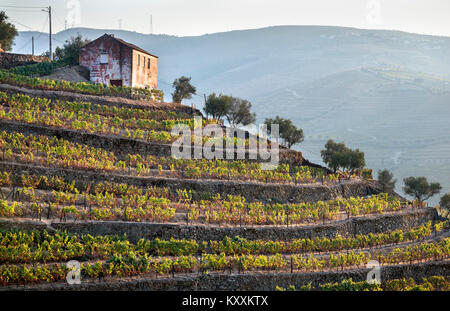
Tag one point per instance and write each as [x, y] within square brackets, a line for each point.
[87, 174]
[400, 124]
[385, 92]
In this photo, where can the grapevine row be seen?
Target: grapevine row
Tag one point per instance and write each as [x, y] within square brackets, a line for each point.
[63, 153]
[132, 264]
[34, 246]
[79, 87]
[433, 283]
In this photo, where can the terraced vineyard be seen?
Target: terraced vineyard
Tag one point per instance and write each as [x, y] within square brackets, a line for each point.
[433, 283]
[79, 87]
[69, 192]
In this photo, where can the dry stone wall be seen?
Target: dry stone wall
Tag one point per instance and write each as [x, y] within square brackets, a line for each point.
[136, 231]
[248, 281]
[10, 60]
[252, 191]
[100, 100]
[122, 146]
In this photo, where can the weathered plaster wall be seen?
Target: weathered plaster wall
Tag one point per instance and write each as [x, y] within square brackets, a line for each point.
[124, 63]
[142, 76]
[119, 61]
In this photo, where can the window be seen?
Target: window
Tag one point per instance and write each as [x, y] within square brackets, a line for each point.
[104, 58]
[148, 64]
[143, 63]
[139, 60]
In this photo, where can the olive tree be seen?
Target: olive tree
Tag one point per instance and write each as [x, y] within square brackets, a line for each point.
[239, 112]
[70, 52]
[7, 32]
[420, 189]
[444, 203]
[385, 178]
[183, 89]
[290, 134]
[217, 105]
[337, 155]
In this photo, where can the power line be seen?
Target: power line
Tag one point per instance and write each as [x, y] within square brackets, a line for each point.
[49, 11]
[59, 20]
[22, 10]
[44, 9]
[58, 40]
[22, 7]
[14, 21]
[23, 46]
[40, 34]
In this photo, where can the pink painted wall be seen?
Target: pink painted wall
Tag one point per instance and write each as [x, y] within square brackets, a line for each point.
[142, 76]
[119, 61]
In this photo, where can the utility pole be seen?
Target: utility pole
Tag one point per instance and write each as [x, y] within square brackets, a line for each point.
[50, 31]
[32, 45]
[151, 24]
[49, 11]
[204, 96]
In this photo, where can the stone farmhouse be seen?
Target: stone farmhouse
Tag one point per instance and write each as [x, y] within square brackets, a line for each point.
[113, 61]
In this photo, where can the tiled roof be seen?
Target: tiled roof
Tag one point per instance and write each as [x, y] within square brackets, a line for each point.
[130, 45]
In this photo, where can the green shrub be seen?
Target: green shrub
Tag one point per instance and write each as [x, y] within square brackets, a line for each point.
[39, 69]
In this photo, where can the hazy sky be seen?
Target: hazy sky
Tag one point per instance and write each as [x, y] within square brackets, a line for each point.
[197, 17]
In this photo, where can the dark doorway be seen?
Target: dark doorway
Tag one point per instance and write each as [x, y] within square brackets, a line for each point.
[115, 82]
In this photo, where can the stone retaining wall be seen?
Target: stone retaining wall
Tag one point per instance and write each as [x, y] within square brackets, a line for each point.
[248, 281]
[252, 191]
[122, 146]
[10, 60]
[136, 231]
[100, 100]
